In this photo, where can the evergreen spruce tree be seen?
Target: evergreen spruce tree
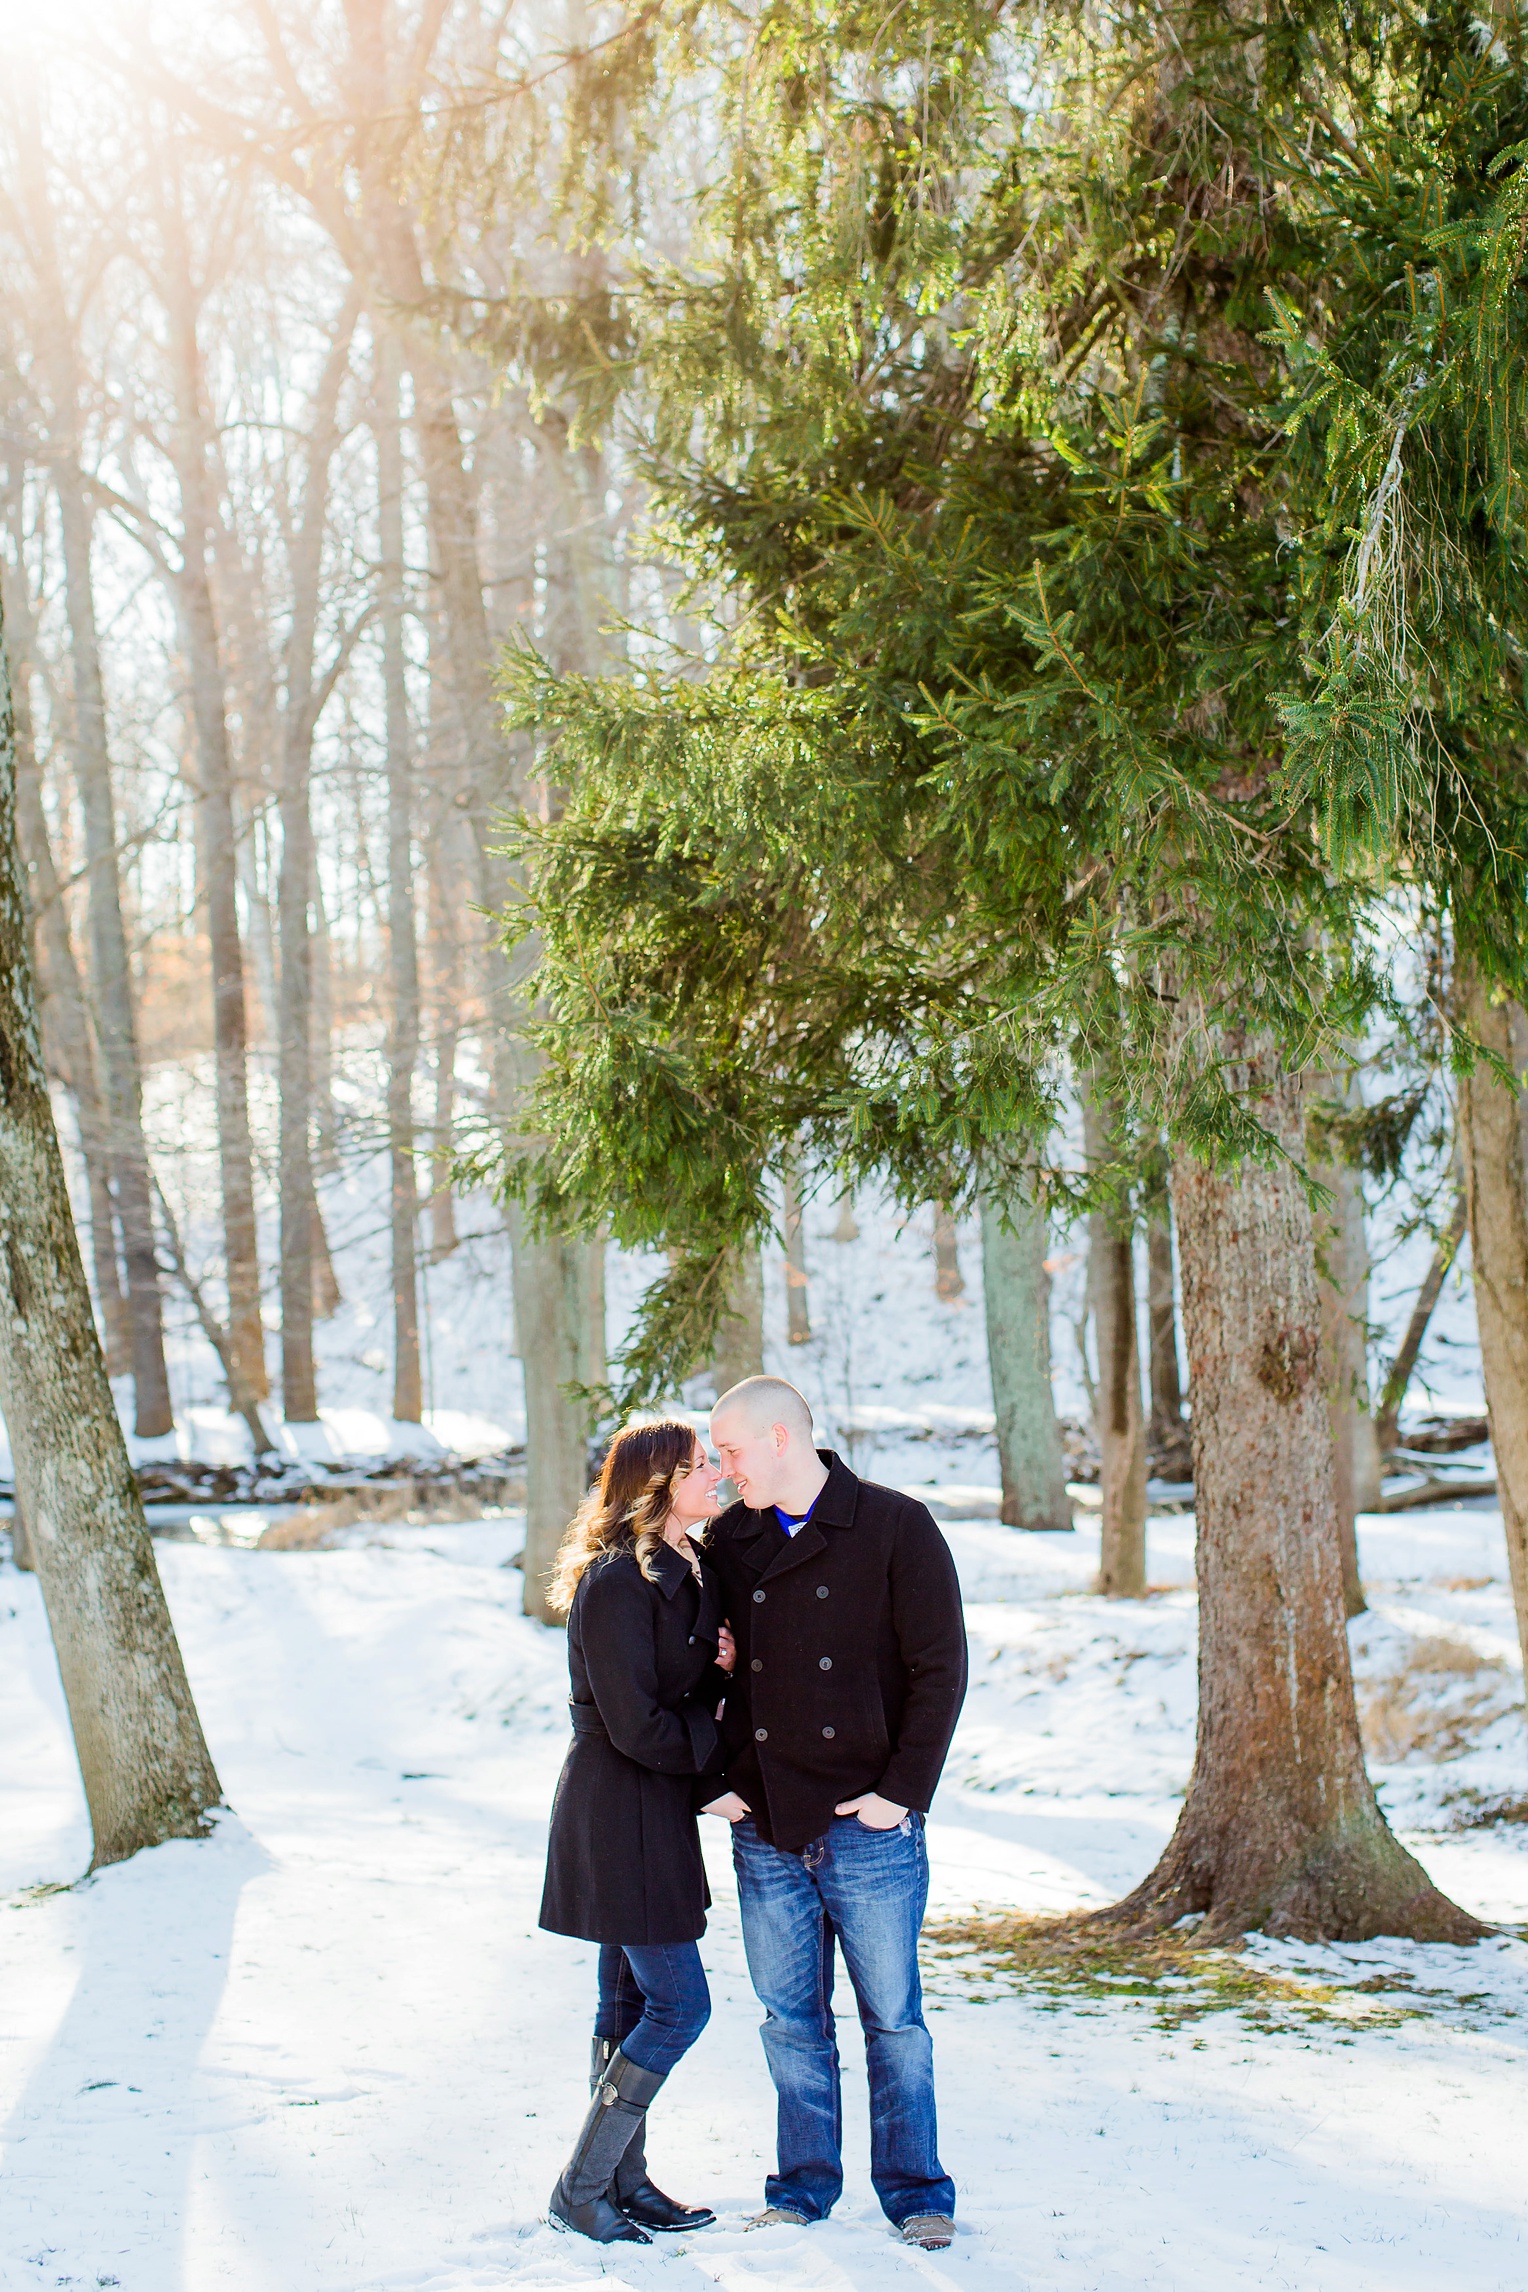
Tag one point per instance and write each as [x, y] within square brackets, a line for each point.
[1043, 451]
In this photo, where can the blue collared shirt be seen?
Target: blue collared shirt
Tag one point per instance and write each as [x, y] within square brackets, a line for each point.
[793, 1526]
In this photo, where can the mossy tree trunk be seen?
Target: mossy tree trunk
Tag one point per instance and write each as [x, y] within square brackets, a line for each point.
[1120, 1414]
[1016, 1289]
[1495, 1177]
[1280, 1830]
[740, 1339]
[144, 1763]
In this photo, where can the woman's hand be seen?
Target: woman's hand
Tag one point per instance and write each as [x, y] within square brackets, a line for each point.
[729, 1806]
[726, 1649]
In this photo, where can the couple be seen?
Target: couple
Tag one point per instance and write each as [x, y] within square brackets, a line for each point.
[800, 1676]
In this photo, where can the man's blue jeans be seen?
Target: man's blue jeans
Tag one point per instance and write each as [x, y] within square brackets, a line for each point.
[867, 1890]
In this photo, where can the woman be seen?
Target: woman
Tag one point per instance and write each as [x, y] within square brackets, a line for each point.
[648, 1654]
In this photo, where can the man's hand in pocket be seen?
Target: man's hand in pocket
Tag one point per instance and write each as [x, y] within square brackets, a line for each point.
[874, 1812]
[729, 1806]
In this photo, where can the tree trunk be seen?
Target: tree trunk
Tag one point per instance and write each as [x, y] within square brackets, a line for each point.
[1399, 1374]
[66, 1038]
[798, 1320]
[67, 1046]
[740, 1339]
[445, 994]
[326, 1283]
[216, 840]
[302, 702]
[403, 952]
[1016, 1288]
[1491, 1148]
[552, 1284]
[1280, 1830]
[21, 1542]
[110, 972]
[144, 1763]
[949, 1281]
[299, 1384]
[1162, 1321]
[1121, 1418]
[1342, 1263]
[111, 977]
[326, 1121]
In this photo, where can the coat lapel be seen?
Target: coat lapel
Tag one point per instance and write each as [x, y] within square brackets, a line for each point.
[709, 1615]
[806, 1544]
[763, 1544]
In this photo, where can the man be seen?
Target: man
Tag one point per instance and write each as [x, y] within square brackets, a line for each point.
[851, 1670]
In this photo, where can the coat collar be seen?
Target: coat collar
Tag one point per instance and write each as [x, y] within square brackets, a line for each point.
[671, 1570]
[769, 1550]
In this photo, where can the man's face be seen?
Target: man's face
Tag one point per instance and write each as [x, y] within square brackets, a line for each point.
[755, 1462]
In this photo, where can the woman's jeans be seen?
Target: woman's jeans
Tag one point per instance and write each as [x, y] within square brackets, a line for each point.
[654, 2002]
[867, 1889]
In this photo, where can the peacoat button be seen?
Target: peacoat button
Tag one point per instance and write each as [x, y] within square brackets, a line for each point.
[692, 1639]
[828, 1733]
[759, 1598]
[761, 1734]
[825, 1663]
[756, 1665]
[822, 1592]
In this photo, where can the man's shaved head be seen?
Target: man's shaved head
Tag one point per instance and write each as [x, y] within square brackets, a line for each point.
[763, 1434]
[759, 1402]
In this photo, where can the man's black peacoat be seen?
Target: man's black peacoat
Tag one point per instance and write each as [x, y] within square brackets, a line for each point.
[623, 1861]
[851, 1663]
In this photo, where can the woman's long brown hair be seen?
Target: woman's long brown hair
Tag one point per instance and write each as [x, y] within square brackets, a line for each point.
[628, 1505]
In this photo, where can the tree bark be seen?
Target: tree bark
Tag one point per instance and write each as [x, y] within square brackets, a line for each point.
[1491, 1148]
[554, 1283]
[1342, 1263]
[67, 1046]
[740, 1339]
[1280, 1830]
[302, 701]
[299, 1383]
[1121, 1418]
[1399, 1374]
[143, 1760]
[552, 1302]
[403, 951]
[445, 997]
[949, 1281]
[21, 1542]
[1162, 1321]
[216, 841]
[325, 1154]
[110, 971]
[798, 1320]
[1016, 1289]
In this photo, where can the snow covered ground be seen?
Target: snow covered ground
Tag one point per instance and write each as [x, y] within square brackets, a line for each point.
[328, 2050]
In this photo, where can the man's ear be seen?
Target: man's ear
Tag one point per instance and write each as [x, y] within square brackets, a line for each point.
[782, 1438]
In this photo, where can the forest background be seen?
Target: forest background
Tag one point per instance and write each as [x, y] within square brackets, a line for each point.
[1002, 546]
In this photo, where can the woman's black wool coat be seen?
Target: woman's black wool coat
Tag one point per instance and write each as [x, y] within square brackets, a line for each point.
[624, 1862]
